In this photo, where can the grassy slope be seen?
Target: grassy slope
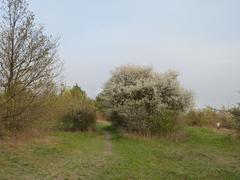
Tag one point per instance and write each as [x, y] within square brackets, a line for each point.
[63, 155]
[204, 155]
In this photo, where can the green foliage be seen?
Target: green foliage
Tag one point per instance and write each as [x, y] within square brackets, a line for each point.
[163, 122]
[117, 120]
[194, 118]
[78, 112]
[80, 120]
[77, 92]
[236, 114]
[18, 115]
[209, 117]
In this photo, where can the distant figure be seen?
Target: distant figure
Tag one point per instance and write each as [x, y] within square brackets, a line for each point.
[218, 125]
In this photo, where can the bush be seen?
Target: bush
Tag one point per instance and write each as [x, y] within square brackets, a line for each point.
[117, 121]
[135, 96]
[163, 122]
[78, 112]
[236, 115]
[80, 120]
[209, 117]
[34, 116]
[194, 118]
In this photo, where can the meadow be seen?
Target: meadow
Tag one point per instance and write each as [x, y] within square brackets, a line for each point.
[151, 127]
[201, 153]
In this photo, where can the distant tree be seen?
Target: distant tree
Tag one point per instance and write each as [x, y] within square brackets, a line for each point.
[78, 92]
[28, 63]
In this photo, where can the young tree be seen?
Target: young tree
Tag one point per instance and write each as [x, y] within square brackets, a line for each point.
[28, 63]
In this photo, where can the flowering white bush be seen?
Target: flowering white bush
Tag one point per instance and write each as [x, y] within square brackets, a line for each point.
[136, 93]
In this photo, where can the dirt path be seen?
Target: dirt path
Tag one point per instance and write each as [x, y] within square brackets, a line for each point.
[108, 139]
[107, 136]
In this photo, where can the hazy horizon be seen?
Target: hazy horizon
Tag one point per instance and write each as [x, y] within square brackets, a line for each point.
[199, 39]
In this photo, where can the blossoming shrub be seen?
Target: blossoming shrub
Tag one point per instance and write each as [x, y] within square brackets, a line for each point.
[142, 100]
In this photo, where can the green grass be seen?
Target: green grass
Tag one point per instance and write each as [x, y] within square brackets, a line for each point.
[204, 154]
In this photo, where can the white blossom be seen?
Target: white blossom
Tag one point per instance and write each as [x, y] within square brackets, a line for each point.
[136, 92]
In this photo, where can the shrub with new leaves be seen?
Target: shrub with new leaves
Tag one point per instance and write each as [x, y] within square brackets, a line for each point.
[134, 94]
[77, 111]
[209, 117]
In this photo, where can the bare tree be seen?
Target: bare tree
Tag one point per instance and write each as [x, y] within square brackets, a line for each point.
[28, 62]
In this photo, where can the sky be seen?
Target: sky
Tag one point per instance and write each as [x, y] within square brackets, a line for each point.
[198, 38]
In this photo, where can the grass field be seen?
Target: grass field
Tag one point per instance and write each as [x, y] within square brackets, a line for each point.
[204, 154]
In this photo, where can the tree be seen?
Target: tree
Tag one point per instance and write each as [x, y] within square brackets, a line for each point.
[28, 63]
[134, 95]
[77, 92]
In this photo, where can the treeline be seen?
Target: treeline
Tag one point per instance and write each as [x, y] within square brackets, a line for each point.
[229, 118]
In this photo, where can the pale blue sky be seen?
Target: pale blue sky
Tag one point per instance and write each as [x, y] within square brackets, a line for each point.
[198, 38]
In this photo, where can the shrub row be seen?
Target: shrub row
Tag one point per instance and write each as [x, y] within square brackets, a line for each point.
[209, 117]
